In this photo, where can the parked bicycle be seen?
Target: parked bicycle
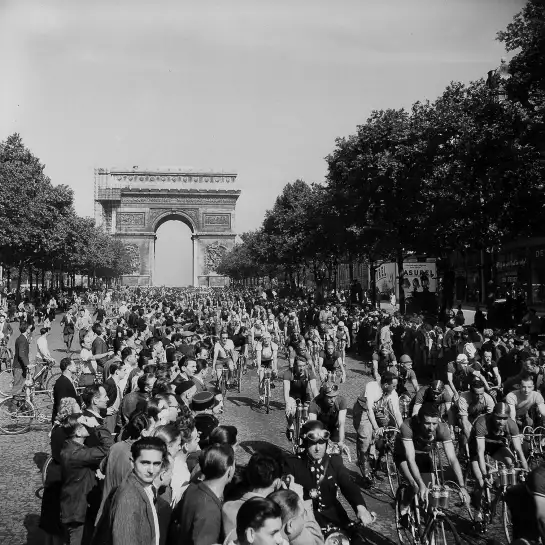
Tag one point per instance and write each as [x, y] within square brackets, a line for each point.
[33, 404]
[45, 377]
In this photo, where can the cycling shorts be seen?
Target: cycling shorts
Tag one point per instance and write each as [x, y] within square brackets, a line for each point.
[422, 459]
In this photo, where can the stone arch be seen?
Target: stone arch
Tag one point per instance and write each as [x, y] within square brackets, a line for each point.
[160, 217]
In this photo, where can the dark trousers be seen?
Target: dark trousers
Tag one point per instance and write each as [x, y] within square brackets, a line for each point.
[74, 533]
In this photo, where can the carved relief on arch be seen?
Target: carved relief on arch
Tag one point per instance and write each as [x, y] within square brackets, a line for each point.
[192, 214]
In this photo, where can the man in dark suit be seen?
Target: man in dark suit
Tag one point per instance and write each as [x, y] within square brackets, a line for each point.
[64, 387]
[20, 358]
[132, 516]
[117, 373]
[95, 399]
[197, 519]
[321, 475]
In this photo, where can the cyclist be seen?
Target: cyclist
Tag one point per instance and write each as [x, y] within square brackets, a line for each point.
[412, 451]
[272, 328]
[240, 342]
[298, 384]
[330, 361]
[525, 404]
[376, 407]
[224, 354]
[491, 434]
[322, 476]
[460, 374]
[436, 394]
[406, 374]
[342, 340]
[330, 408]
[6, 331]
[266, 357]
[298, 347]
[471, 405]
[383, 360]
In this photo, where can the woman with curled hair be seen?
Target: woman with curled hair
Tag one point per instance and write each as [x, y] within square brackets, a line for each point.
[189, 443]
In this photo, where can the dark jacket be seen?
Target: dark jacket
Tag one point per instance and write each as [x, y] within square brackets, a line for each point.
[336, 477]
[129, 517]
[20, 354]
[78, 466]
[63, 387]
[196, 519]
[99, 435]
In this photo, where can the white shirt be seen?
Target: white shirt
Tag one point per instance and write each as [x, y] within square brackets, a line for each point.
[149, 493]
[43, 348]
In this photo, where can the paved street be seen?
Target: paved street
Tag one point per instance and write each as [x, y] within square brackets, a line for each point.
[23, 455]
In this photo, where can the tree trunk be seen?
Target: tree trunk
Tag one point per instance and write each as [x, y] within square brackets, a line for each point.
[373, 282]
[350, 269]
[43, 279]
[8, 279]
[30, 279]
[19, 278]
[400, 281]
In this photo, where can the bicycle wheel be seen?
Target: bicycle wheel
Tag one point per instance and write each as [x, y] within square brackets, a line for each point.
[43, 403]
[54, 375]
[16, 415]
[391, 471]
[6, 382]
[45, 467]
[267, 394]
[239, 376]
[507, 521]
[407, 530]
[223, 386]
[443, 532]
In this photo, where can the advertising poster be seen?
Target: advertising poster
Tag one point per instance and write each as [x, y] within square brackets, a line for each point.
[419, 278]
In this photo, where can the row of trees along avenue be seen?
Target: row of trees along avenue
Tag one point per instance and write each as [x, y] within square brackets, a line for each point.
[464, 172]
[40, 234]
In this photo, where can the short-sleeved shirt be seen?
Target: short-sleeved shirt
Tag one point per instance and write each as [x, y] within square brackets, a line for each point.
[384, 361]
[239, 340]
[299, 386]
[462, 374]
[404, 376]
[267, 352]
[330, 362]
[468, 407]
[328, 416]
[373, 397]
[484, 427]
[424, 395]
[523, 404]
[410, 431]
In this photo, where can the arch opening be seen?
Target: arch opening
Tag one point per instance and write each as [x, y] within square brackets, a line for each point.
[173, 256]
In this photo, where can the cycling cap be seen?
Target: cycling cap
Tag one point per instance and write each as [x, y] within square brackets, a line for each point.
[311, 426]
[502, 409]
[477, 383]
[330, 390]
[405, 359]
[340, 324]
[437, 385]
[462, 358]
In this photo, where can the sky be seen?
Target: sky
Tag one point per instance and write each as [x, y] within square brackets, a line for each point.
[258, 87]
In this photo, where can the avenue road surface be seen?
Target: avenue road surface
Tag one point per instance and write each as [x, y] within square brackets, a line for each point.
[23, 455]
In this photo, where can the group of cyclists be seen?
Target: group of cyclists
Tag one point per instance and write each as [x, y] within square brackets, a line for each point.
[474, 392]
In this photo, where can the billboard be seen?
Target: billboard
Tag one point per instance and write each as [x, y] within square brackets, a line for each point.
[418, 278]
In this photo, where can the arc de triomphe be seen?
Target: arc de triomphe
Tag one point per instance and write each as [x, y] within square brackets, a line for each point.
[132, 203]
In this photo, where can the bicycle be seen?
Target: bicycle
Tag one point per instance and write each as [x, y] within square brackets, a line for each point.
[503, 478]
[222, 383]
[385, 458]
[533, 445]
[267, 374]
[6, 355]
[427, 525]
[301, 416]
[46, 377]
[17, 412]
[240, 370]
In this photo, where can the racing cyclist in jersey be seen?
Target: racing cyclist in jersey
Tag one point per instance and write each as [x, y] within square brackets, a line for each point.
[525, 404]
[383, 360]
[491, 434]
[342, 340]
[266, 357]
[224, 355]
[272, 329]
[298, 384]
[330, 361]
[240, 342]
[436, 394]
[330, 408]
[412, 450]
[376, 407]
[459, 375]
[470, 406]
[406, 374]
[491, 373]
[297, 346]
[315, 344]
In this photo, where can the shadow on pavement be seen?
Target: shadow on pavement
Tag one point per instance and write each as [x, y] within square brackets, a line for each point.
[39, 459]
[251, 447]
[34, 535]
[241, 401]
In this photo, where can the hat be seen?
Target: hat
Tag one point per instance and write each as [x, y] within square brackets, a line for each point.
[458, 329]
[187, 333]
[202, 401]
[340, 324]
[330, 390]
[405, 358]
[184, 387]
[461, 358]
[518, 340]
